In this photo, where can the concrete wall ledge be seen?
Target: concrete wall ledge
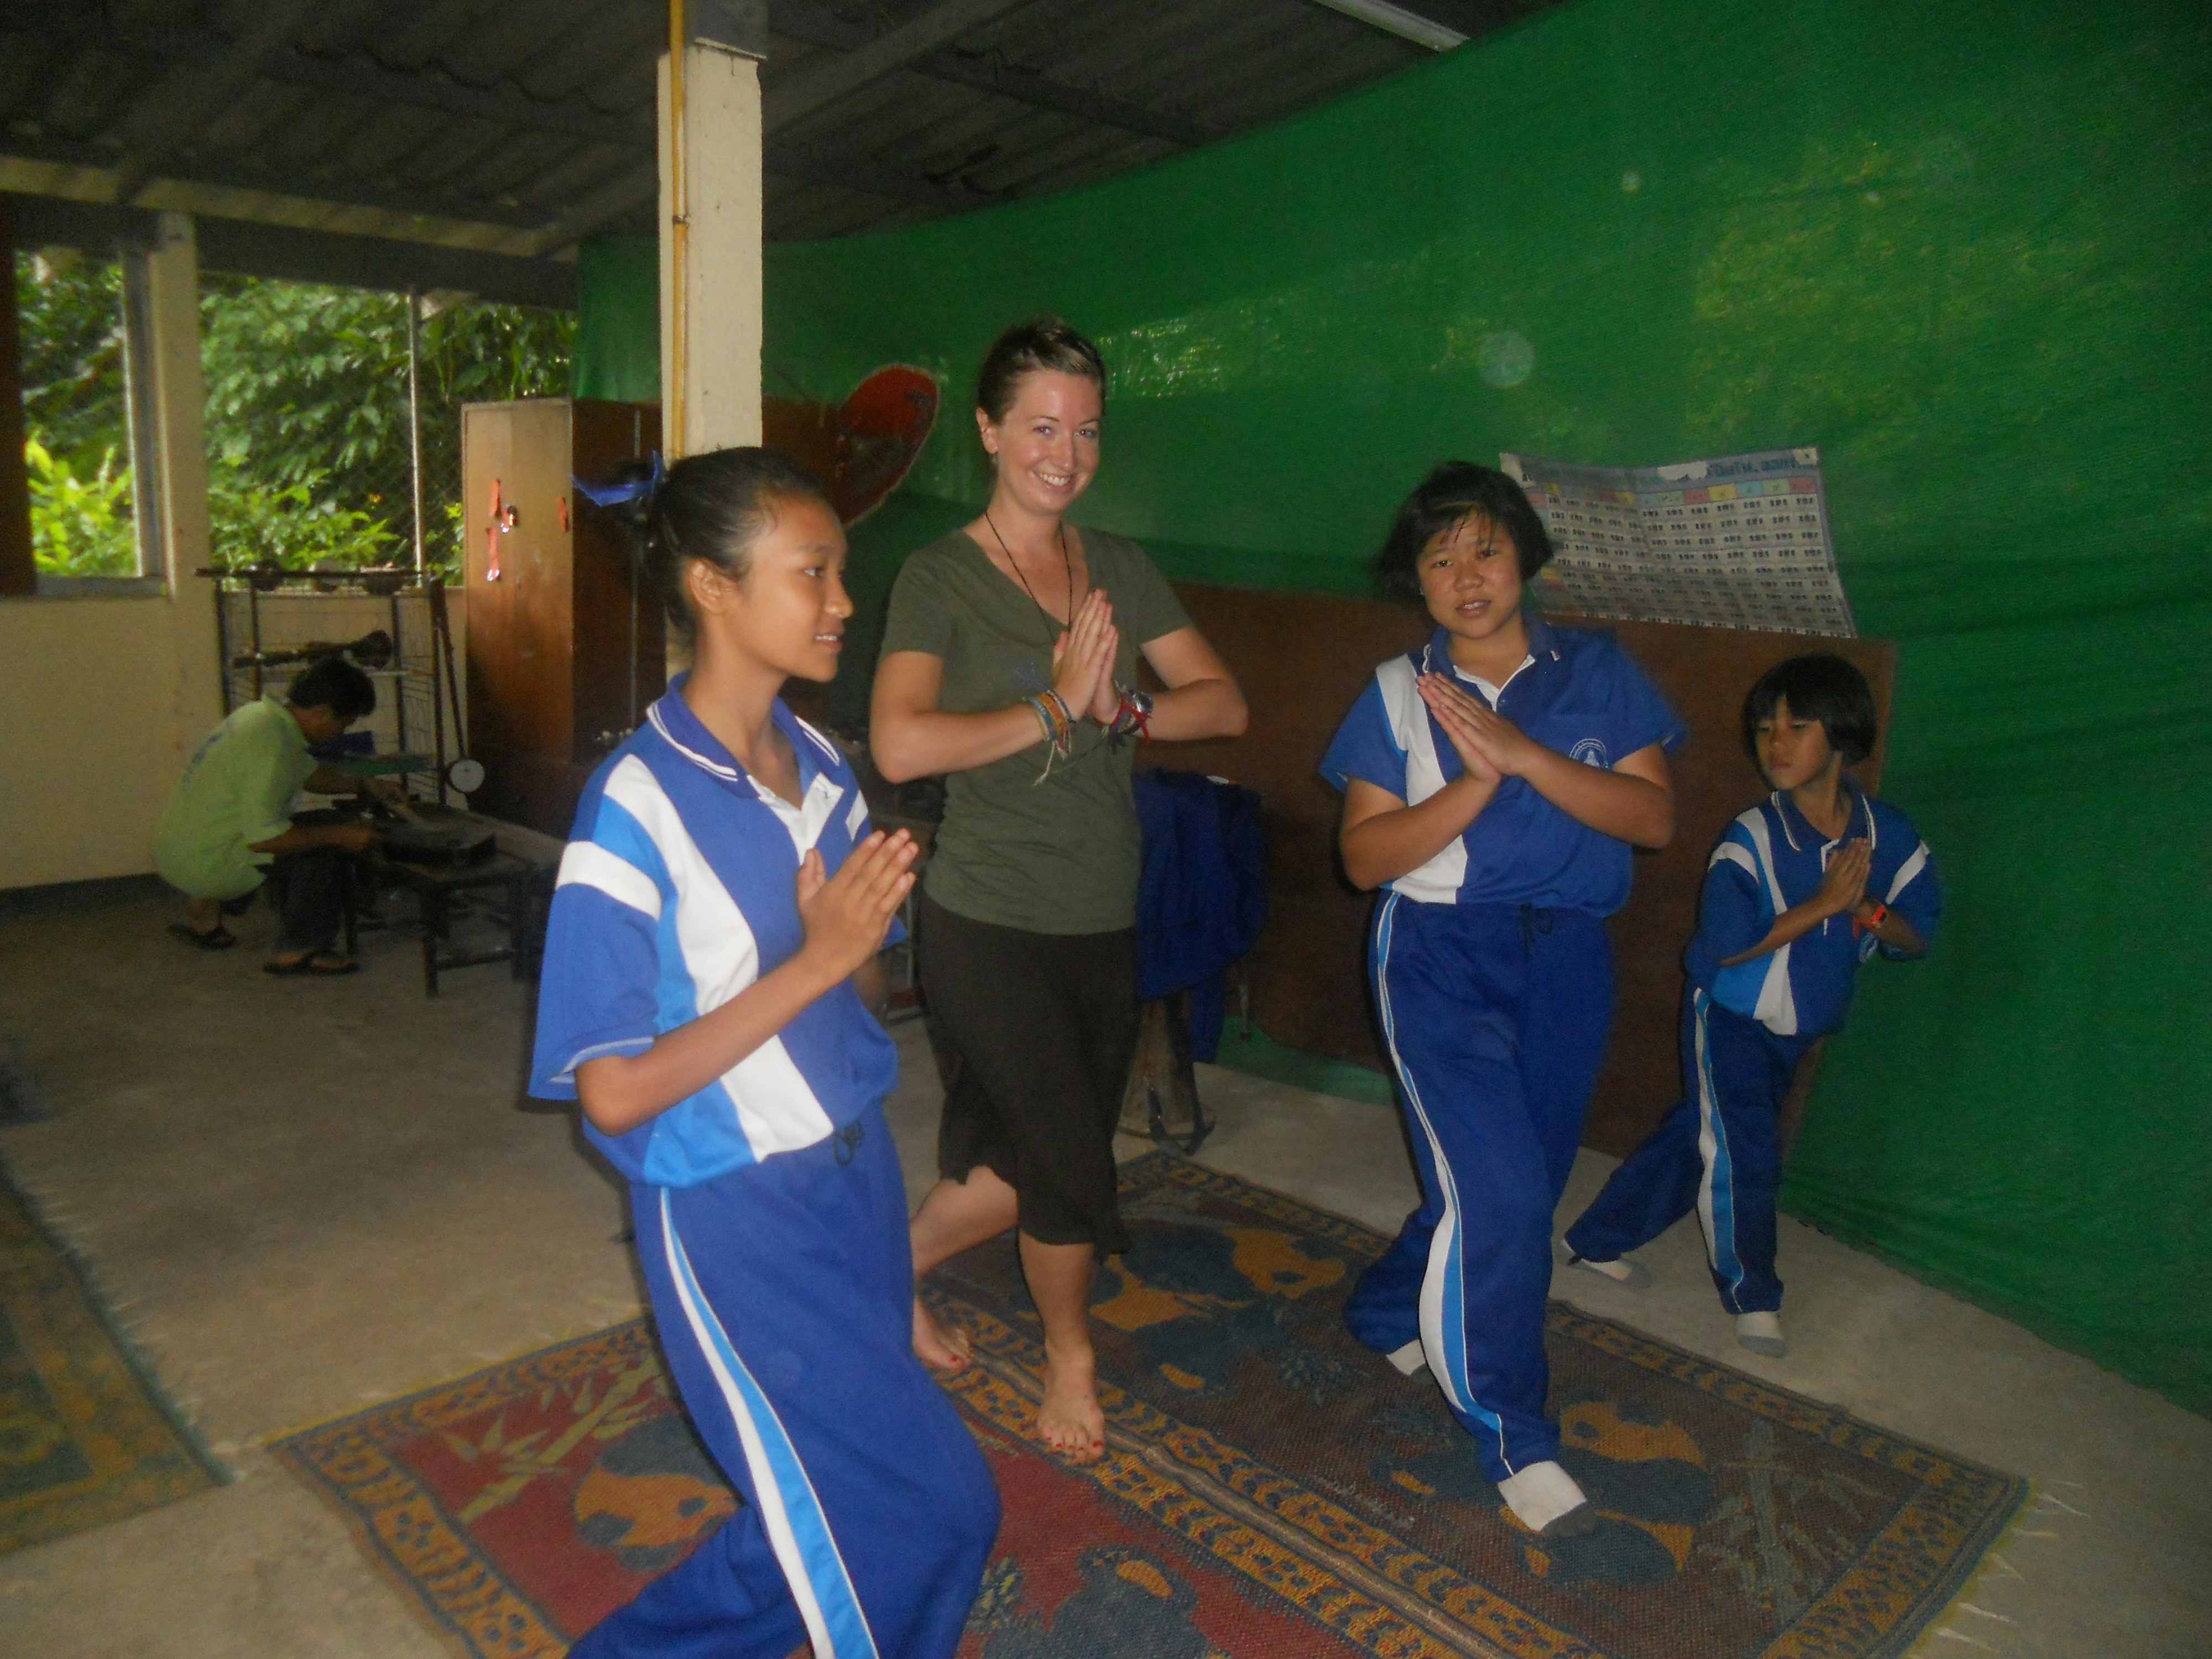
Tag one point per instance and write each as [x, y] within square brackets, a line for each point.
[93, 587]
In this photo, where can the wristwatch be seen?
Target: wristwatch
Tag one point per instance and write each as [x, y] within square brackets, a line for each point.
[1133, 718]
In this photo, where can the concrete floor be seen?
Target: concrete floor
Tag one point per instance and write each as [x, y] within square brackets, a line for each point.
[309, 1197]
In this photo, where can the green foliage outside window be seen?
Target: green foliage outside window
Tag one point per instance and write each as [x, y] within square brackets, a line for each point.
[307, 396]
[80, 525]
[306, 414]
[248, 521]
[72, 329]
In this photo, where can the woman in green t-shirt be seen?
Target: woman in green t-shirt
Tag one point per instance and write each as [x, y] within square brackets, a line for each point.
[1009, 662]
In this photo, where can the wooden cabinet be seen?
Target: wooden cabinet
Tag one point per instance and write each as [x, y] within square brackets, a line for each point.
[565, 637]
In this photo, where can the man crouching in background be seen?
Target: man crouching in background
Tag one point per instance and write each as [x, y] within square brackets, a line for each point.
[229, 826]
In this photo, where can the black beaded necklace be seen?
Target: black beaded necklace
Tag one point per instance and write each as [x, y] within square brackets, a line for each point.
[1067, 563]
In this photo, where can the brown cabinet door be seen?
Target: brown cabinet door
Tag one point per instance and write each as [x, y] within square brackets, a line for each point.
[514, 468]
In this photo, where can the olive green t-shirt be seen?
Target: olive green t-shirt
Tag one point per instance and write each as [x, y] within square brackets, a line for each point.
[1056, 856]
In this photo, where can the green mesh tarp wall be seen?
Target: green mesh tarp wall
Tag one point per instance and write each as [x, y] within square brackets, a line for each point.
[1959, 246]
[618, 327]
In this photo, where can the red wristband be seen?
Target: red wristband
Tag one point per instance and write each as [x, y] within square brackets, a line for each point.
[1873, 920]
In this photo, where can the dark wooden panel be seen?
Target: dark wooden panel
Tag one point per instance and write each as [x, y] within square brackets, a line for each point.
[18, 571]
[538, 792]
[806, 432]
[1302, 659]
[621, 661]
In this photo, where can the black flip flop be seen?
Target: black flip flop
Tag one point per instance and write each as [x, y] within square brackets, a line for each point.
[217, 938]
[316, 964]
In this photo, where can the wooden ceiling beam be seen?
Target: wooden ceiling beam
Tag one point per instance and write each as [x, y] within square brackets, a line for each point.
[349, 194]
[249, 249]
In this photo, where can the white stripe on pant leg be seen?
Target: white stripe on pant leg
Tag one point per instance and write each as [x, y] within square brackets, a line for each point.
[1445, 1240]
[785, 1504]
[1452, 1378]
[1713, 1156]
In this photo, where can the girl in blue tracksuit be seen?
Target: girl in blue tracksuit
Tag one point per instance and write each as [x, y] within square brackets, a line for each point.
[1801, 889]
[1494, 781]
[719, 897]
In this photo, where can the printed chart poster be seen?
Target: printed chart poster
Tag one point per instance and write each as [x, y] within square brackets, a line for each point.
[1740, 542]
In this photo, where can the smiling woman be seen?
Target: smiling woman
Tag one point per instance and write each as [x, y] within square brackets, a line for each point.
[1009, 662]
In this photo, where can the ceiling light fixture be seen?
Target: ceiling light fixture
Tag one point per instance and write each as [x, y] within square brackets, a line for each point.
[1396, 20]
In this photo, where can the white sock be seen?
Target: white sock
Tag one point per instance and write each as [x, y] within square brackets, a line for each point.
[1540, 1494]
[1409, 1359]
[1761, 1333]
[1618, 1271]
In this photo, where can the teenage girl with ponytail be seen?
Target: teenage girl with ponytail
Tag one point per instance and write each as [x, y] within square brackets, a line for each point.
[706, 998]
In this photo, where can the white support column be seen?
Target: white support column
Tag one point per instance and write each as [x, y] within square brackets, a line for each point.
[179, 397]
[710, 250]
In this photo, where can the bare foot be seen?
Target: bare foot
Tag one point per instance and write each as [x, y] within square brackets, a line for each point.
[939, 1349]
[1069, 1421]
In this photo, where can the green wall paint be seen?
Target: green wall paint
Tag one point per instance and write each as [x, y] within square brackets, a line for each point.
[1959, 245]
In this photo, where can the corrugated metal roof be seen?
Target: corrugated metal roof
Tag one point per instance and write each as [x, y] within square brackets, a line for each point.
[512, 127]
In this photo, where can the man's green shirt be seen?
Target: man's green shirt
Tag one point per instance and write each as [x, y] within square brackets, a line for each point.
[238, 790]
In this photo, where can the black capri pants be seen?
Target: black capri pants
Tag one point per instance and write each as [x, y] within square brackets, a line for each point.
[1035, 1033]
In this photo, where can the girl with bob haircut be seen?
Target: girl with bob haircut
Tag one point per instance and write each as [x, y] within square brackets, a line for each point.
[1010, 664]
[1495, 780]
[709, 995]
[1801, 889]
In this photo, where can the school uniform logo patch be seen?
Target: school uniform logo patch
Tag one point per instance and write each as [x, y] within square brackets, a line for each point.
[1590, 752]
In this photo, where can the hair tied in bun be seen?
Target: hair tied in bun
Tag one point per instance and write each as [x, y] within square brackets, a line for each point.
[711, 508]
[636, 483]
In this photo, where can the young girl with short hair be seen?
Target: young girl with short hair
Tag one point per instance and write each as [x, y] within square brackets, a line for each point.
[1801, 889]
[1495, 780]
[719, 909]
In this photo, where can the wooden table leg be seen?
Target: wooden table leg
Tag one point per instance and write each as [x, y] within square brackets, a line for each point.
[518, 923]
[1185, 1112]
[433, 935]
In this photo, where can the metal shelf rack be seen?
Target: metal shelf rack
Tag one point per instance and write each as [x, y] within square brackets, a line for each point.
[265, 610]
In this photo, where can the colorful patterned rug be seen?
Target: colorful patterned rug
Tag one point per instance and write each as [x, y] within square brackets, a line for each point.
[85, 1435]
[1270, 1489]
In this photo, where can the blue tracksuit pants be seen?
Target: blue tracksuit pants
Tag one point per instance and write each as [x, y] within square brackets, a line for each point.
[1716, 1152]
[783, 1297]
[1495, 1016]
